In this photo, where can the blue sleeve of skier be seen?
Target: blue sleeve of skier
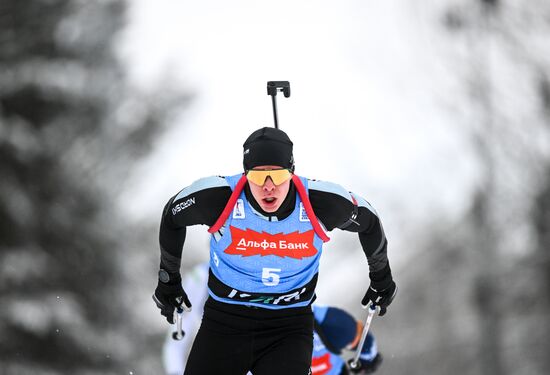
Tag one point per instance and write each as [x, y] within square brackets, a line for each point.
[335, 331]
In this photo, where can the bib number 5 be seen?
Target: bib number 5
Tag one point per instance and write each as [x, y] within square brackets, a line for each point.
[270, 277]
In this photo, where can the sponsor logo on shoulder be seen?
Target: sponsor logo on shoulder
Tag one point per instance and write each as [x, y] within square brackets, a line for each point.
[303, 214]
[238, 210]
[183, 205]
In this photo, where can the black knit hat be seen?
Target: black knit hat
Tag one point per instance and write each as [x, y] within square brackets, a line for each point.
[268, 146]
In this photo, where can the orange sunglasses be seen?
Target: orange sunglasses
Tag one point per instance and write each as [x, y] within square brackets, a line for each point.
[258, 177]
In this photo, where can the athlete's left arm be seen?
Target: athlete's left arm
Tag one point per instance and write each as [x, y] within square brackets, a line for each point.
[336, 207]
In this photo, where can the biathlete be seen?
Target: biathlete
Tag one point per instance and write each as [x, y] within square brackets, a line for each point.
[267, 226]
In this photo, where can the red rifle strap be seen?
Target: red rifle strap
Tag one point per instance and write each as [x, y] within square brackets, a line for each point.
[229, 206]
[309, 210]
[303, 196]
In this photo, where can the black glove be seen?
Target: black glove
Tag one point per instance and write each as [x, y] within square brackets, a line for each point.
[382, 289]
[169, 295]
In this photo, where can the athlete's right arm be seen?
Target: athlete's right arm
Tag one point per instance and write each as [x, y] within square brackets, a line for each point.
[202, 202]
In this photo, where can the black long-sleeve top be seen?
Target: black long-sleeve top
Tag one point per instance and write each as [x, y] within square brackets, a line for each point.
[203, 202]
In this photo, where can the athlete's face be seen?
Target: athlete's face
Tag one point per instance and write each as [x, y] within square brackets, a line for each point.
[269, 196]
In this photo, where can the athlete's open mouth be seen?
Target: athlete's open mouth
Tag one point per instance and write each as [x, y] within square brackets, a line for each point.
[270, 201]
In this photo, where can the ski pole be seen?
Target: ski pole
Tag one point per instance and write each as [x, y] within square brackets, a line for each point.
[354, 364]
[178, 334]
[272, 88]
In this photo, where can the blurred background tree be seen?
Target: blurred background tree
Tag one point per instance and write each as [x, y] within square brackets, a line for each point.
[481, 298]
[71, 129]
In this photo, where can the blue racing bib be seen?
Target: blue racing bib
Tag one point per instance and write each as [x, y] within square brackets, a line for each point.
[270, 264]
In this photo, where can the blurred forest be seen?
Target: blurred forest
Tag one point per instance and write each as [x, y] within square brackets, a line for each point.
[473, 300]
[71, 129]
[478, 301]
